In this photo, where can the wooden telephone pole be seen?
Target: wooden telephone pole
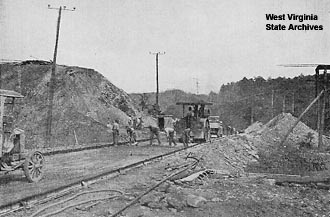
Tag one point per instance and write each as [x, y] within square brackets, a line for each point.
[321, 84]
[157, 83]
[273, 103]
[292, 108]
[52, 76]
[283, 104]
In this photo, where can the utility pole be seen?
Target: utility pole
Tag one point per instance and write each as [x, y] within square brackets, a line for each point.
[0, 76]
[19, 75]
[157, 83]
[317, 89]
[322, 109]
[252, 109]
[283, 106]
[197, 85]
[272, 103]
[252, 120]
[52, 76]
[292, 104]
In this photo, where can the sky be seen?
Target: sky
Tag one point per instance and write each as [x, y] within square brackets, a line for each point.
[212, 41]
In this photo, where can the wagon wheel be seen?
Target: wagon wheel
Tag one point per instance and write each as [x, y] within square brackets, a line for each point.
[33, 166]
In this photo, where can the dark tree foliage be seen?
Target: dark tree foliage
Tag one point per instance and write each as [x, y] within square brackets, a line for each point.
[253, 97]
[250, 99]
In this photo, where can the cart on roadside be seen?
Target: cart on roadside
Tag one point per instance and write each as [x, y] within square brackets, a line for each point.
[13, 155]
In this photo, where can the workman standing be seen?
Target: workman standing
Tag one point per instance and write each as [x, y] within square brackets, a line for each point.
[109, 126]
[115, 132]
[154, 131]
[189, 117]
[134, 122]
[201, 111]
[131, 133]
[186, 132]
[170, 135]
[186, 137]
[169, 129]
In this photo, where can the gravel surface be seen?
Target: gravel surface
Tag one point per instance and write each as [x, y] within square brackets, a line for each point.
[63, 169]
[221, 194]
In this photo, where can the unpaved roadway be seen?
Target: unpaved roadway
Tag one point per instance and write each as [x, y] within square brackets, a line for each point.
[224, 194]
[63, 169]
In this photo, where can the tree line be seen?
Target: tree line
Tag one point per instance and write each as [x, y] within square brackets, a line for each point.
[241, 103]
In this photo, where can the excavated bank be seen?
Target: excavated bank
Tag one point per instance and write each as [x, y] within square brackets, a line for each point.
[84, 102]
[298, 155]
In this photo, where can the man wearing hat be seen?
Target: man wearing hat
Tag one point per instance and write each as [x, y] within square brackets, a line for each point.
[115, 132]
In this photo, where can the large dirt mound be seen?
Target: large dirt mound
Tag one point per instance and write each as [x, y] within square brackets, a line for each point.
[253, 128]
[236, 152]
[258, 149]
[84, 101]
[291, 158]
[273, 132]
[280, 125]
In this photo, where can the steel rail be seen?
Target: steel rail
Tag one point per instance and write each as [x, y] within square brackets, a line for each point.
[66, 189]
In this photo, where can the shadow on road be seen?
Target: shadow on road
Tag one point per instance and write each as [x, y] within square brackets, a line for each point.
[7, 178]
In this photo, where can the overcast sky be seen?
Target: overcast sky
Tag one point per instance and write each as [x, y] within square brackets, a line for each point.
[215, 41]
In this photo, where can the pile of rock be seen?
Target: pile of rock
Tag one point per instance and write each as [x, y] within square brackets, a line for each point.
[260, 145]
[173, 197]
[289, 158]
[274, 131]
[235, 152]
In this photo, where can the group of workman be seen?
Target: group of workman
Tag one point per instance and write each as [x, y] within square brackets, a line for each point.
[155, 131]
[130, 130]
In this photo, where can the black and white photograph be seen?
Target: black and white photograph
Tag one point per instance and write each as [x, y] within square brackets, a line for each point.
[164, 108]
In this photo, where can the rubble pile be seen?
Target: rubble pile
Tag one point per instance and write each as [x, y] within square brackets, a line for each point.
[84, 102]
[235, 152]
[255, 127]
[258, 149]
[274, 131]
[290, 158]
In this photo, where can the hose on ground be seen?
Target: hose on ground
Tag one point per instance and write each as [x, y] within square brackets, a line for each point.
[77, 204]
[73, 197]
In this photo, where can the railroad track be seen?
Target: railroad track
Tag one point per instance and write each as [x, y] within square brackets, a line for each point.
[49, 195]
[64, 151]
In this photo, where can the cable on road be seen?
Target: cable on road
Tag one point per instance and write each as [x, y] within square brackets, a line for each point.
[77, 204]
[73, 197]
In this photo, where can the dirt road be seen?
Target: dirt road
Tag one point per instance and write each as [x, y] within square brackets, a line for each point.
[68, 168]
[215, 195]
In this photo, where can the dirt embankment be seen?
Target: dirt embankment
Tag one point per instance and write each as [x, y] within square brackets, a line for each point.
[258, 149]
[84, 102]
[299, 155]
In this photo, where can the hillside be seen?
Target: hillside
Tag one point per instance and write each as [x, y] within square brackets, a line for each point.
[167, 100]
[84, 101]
